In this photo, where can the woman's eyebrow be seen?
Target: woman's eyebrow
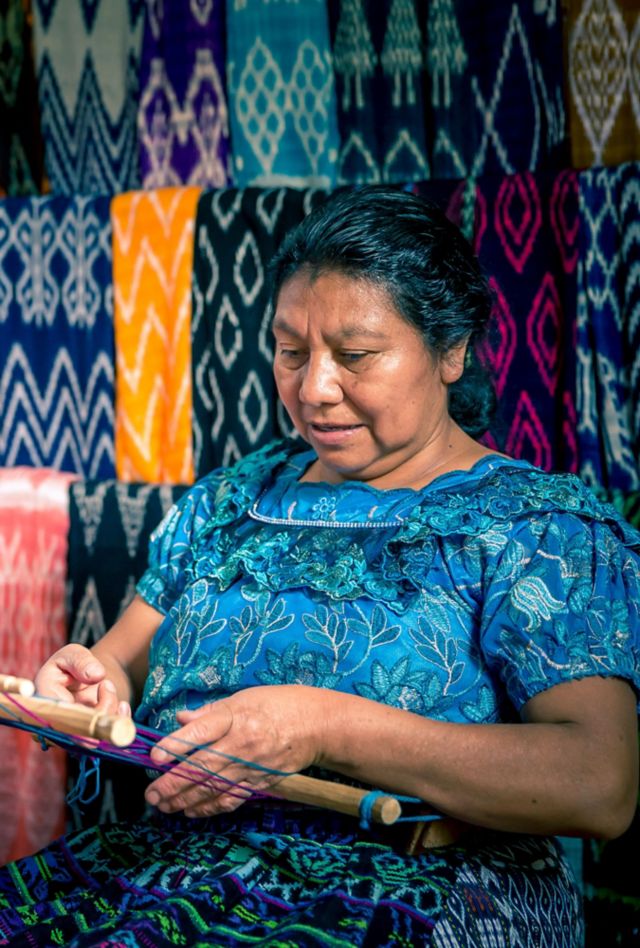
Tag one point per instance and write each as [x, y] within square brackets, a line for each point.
[280, 324]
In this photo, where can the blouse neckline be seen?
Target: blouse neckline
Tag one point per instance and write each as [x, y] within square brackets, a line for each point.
[287, 501]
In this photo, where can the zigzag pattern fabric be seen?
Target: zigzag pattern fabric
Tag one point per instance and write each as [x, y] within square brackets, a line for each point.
[20, 158]
[34, 522]
[527, 239]
[88, 89]
[56, 335]
[496, 76]
[603, 65]
[379, 63]
[282, 94]
[183, 120]
[608, 337]
[109, 528]
[152, 270]
[235, 405]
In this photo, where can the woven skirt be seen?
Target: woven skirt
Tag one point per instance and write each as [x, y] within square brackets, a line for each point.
[285, 879]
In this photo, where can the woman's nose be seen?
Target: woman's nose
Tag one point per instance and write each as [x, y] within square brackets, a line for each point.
[320, 382]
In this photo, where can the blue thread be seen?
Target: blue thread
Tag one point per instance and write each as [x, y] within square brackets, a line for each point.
[80, 795]
[368, 801]
[366, 807]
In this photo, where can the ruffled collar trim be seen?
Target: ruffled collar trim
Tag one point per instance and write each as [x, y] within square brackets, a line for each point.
[387, 564]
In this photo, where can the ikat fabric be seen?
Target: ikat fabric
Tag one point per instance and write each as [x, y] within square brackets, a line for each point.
[57, 360]
[603, 65]
[527, 239]
[152, 276]
[496, 80]
[235, 405]
[380, 69]
[608, 329]
[87, 62]
[34, 523]
[20, 143]
[282, 94]
[110, 523]
[183, 117]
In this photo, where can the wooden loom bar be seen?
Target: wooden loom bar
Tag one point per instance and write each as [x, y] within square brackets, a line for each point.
[298, 788]
[73, 719]
[16, 686]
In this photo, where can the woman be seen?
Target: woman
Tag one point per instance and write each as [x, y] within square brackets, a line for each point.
[391, 602]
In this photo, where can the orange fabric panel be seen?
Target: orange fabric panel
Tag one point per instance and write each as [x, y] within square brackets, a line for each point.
[34, 526]
[152, 275]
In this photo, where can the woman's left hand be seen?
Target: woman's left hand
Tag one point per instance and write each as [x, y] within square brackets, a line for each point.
[273, 726]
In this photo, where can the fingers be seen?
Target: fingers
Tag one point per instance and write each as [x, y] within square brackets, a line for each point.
[204, 781]
[204, 726]
[68, 668]
[200, 789]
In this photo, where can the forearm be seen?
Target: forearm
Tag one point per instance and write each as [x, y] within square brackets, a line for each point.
[124, 649]
[543, 777]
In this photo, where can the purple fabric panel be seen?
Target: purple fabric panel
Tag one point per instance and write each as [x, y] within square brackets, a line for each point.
[183, 123]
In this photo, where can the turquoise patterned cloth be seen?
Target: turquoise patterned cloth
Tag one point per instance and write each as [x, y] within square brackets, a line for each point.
[284, 125]
[460, 601]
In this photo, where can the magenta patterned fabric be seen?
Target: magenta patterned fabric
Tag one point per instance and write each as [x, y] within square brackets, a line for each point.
[526, 236]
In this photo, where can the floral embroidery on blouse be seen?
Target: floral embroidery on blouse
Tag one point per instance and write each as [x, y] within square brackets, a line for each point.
[460, 601]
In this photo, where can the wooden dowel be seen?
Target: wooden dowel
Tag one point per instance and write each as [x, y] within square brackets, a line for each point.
[298, 788]
[73, 719]
[16, 686]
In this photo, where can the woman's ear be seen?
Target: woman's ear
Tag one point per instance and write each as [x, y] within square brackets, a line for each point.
[452, 363]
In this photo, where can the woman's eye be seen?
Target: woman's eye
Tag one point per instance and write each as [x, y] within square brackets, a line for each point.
[352, 356]
[292, 355]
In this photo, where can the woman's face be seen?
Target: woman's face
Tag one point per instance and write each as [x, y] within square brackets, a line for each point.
[358, 381]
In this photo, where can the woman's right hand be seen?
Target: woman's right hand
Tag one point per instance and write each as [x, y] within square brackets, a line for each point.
[74, 674]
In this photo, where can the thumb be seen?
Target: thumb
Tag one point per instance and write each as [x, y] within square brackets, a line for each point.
[81, 664]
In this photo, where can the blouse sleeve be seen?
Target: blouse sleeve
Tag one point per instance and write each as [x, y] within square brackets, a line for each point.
[563, 602]
[171, 546]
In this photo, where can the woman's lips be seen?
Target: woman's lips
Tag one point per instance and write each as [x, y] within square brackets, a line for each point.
[333, 434]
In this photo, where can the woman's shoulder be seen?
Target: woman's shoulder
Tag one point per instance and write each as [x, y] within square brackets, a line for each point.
[497, 489]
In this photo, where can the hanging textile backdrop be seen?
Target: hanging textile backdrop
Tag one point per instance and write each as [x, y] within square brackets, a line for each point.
[603, 65]
[526, 236]
[314, 94]
[379, 63]
[496, 78]
[183, 119]
[109, 528]
[152, 267]
[87, 61]
[234, 395]
[608, 343]
[34, 524]
[282, 94]
[56, 335]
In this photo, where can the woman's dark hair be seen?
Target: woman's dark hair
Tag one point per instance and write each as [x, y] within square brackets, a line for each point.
[409, 247]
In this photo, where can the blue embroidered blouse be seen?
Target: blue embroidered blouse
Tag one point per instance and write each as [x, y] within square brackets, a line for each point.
[459, 601]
